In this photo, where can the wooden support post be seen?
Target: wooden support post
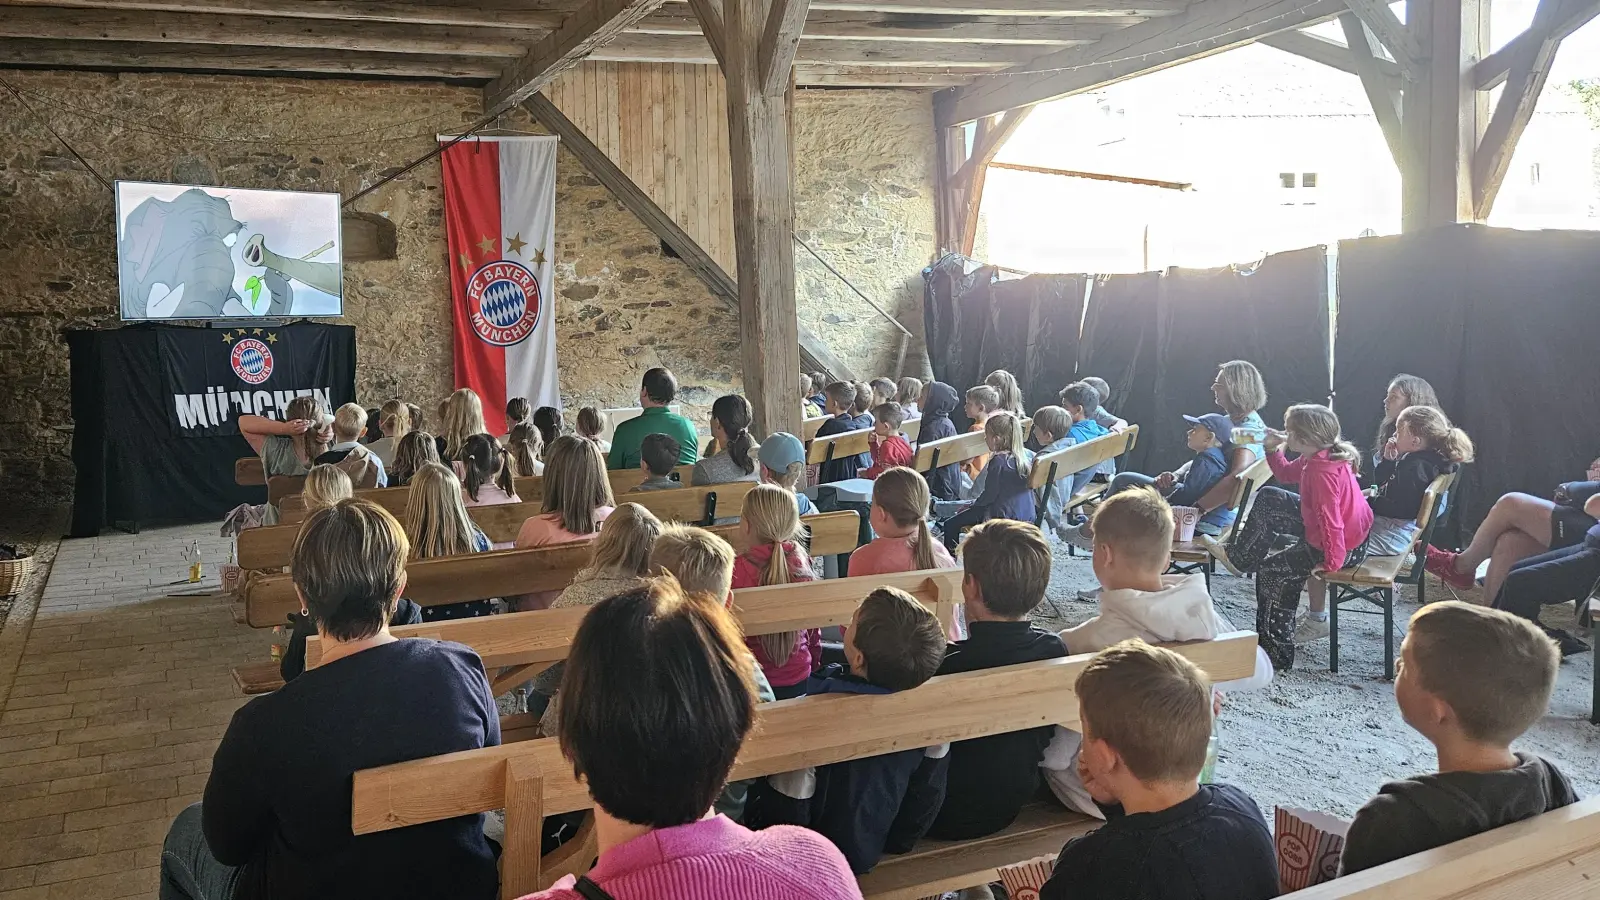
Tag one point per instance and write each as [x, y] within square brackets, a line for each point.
[1383, 93]
[520, 858]
[963, 172]
[1443, 113]
[760, 96]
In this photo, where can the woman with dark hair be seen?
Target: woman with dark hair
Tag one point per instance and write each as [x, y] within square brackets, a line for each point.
[730, 429]
[656, 701]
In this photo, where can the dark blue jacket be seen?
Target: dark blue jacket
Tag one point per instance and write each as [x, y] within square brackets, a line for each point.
[944, 482]
[1205, 470]
[840, 468]
[866, 807]
[1006, 494]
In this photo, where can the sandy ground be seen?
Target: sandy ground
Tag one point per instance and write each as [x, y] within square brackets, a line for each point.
[1325, 741]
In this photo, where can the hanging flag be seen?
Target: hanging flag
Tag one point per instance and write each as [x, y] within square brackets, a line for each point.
[500, 224]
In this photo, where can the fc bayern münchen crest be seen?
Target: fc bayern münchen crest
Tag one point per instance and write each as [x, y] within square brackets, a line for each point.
[504, 303]
[252, 361]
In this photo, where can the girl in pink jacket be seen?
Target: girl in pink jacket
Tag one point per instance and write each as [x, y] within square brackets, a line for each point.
[770, 525]
[1329, 519]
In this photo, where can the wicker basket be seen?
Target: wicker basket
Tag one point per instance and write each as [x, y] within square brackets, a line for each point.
[13, 572]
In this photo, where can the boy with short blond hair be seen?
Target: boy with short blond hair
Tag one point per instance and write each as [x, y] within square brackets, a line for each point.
[1007, 565]
[1471, 680]
[889, 447]
[347, 452]
[1132, 546]
[1146, 718]
[880, 804]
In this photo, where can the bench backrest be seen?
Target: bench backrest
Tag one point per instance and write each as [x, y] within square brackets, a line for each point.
[1251, 480]
[545, 636]
[911, 428]
[1554, 855]
[954, 449]
[530, 488]
[530, 779]
[838, 446]
[249, 470]
[1050, 467]
[282, 487]
[611, 418]
[809, 427]
[478, 576]
[1428, 517]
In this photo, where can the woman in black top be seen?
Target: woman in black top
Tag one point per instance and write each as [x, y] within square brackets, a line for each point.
[275, 822]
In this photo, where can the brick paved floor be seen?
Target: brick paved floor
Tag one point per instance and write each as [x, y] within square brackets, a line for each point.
[112, 715]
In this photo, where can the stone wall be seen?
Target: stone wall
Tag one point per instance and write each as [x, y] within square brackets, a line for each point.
[865, 202]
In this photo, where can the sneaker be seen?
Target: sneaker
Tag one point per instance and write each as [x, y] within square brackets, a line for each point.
[1219, 551]
[1570, 646]
[1073, 534]
[1311, 630]
[1089, 596]
[1443, 564]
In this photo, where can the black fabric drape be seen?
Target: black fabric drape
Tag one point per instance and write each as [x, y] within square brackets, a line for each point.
[1119, 345]
[131, 466]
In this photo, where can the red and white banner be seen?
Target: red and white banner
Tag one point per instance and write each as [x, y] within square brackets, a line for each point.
[500, 221]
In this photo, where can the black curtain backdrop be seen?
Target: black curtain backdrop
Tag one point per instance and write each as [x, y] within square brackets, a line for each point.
[1119, 345]
[1501, 323]
[131, 465]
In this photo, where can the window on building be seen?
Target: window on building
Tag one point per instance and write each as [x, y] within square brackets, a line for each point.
[1533, 174]
[1308, 179]
[1286, 179]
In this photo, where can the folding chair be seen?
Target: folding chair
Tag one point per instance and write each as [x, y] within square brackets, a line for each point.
[1192, 556]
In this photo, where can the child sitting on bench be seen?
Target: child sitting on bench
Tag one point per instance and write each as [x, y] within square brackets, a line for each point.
[1146, 717]
[783, 461]
[1004, 481]
[577, 499]
[889, 447]
[841, 397]
[880, 804]
[1132, 547]
[1471, 680]
[437, 525]
[325, 486]
[658, 456]
[1082, 403]
[771, 530]
[486, 474]
[525, 446]
[348, 453]
[1007, 569]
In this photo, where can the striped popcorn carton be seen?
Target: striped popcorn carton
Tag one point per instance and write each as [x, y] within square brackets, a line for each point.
[1024, 879]
[1309, 846]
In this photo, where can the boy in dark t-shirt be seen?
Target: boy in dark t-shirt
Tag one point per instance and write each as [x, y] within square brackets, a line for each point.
[1471, 681]
[1166, 837]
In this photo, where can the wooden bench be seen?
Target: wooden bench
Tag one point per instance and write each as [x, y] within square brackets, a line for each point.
[809, 427]
[1049, 468]
[1374, 580]
[838, 446]
[911, 428]
[1189, 557]
[269, 599]
[249, 470]
[947, 451]
[530, 779]
[281, 488]
[529, 488]
[1547, 857]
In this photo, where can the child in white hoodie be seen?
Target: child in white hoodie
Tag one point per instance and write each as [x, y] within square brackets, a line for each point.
[1132, 547]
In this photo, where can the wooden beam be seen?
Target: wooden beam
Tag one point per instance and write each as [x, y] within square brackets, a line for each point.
[120, 56]
[814, 353]
[544, 15]
[1382, 93]
[1329, 53]
[1492, 70]
[1443, 116]
[1095, 176]
[689, 48]
[976, 170]
[1202, 30]
[1391, 32]
[264, 31]
[707, 21]
[780, 38]
[941, 29]
[592, 26]
[1529, 72]
[1057, 8]
[951, 153]
[877, 76]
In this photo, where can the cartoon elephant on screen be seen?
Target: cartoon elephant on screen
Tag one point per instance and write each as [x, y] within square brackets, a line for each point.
[182, 245]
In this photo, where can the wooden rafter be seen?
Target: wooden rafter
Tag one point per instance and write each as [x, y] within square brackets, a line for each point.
[1491, 71]
[963, 171]
[1037, 30]
[1383, 93]
[780, 38]
[541, 14]
[707, 21]
[1390, 32]
[590, 27]
[1328, 52]
[1202, 30]
[690, 48]
[1061, 8]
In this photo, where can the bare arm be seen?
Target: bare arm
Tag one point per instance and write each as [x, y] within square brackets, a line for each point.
[256, 429]
[1592, 506]
[1240, 459]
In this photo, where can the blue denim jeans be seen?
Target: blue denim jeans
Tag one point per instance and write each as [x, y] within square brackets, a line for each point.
[188, 870]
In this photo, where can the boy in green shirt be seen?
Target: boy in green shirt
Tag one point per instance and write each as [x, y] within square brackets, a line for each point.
[655, 395]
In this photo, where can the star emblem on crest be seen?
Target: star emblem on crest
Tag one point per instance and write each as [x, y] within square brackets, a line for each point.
[538, 257]
[466, 263]
[227, 337]
[272, 339]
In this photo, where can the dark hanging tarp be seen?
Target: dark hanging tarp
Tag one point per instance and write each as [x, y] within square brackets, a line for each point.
[1119, 345]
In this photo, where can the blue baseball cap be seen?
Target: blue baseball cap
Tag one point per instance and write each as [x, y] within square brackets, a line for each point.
[781, 450]
[1217, 423]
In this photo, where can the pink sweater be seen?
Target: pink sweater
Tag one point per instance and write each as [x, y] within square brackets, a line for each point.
[807, 653]
[717, 859]
[1336, 516]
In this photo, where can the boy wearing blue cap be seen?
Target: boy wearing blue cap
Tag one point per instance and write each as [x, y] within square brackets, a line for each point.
[783, 461]
[1210, 437]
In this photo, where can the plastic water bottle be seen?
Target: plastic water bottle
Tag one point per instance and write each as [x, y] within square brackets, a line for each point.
[1209, 772]
[192, 555]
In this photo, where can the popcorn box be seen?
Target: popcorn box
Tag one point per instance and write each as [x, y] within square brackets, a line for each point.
[1309, 846]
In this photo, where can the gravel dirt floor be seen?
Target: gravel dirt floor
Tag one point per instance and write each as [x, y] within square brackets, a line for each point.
[1325, 741]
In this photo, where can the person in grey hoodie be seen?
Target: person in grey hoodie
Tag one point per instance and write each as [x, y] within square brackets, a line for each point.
[939, 400]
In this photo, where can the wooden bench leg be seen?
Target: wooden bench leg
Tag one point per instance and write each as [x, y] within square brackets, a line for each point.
[519, 858]
[1594, 702]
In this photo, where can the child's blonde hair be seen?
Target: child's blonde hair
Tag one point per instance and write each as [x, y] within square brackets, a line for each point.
[524, 444]
[1052, 420]
[987, 398]
[883, 391]
[771, 515]
[463, 418]
[1150, 705]
[348, 423]
[1007, 390]
[395, 418]
[1137, 523]
[325, 485]
[1495, 670]
[575, 483]
[701, 561]
[625, 541]
[436, 520]
[1003, 433]
[1436, 432]
[484, 460]
[789, 479]
[909, 391]
[903, 495]
[1317, 426]
[417, 421]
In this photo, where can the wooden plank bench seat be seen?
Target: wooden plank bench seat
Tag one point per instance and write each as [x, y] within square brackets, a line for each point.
[1050, 468]
[1192, 556]
[957, 448]
[933, 867]
[531, 779]
[838, 446]
[269, 599]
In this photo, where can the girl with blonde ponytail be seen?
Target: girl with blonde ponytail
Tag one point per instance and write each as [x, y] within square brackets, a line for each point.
[774, 554]
[899, 517]
[437, 524]
[1429, 446]
[1005, 492]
